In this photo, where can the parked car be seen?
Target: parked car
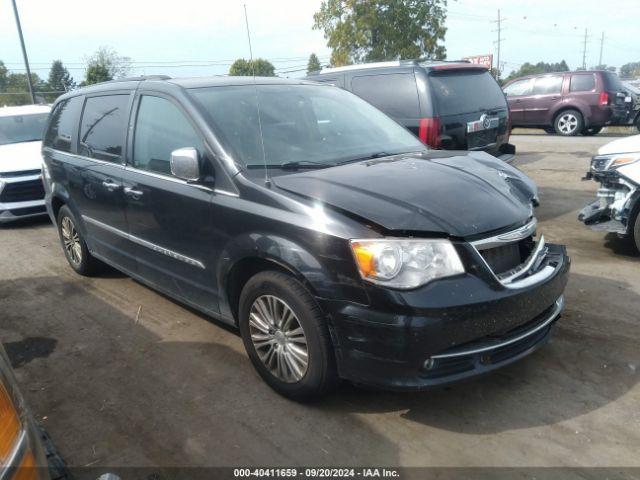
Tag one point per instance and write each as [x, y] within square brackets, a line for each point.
[21, 190]
[633, 105]
[333, 238]
[567, 103]
[448, 105]
[22, 453]
[616, 168]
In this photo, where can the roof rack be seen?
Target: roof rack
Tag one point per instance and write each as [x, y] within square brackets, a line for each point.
[393, 63]
[138, 78]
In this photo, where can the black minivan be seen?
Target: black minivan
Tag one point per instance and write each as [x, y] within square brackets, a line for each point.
[338, 244]
[449, 105]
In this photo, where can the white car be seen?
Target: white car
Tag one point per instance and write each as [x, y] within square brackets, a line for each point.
[617, 209]
[21, 189]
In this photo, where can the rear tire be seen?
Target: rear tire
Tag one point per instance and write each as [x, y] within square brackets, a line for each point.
[638, 123]
[74, 246]
[568, 123]
[636, 231]
[286, 337]
[590, 131]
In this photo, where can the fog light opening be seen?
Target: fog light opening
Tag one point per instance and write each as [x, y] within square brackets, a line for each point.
[429, 363]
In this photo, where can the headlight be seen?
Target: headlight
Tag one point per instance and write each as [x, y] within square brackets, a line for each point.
[601, 163]
[405, 263]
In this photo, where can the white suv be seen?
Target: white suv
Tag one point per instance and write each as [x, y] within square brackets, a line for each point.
[21, 190]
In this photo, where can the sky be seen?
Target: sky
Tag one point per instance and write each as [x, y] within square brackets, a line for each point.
[203, 37]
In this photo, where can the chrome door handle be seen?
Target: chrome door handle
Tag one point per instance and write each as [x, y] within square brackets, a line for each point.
[110, 185]
[133, 193]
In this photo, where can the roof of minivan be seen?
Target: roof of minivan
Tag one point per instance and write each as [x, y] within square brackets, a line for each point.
[24, 110]
[427, 64]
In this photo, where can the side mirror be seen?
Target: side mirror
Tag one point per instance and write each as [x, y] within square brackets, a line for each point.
[185, 164]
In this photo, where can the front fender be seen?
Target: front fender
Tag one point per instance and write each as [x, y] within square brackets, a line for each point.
[324, 264]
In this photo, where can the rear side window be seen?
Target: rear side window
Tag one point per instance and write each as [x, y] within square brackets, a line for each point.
[547, 85]
[103, 127]
[64, 120]
[465, 91]
[161, 128]
[519, 87]
[395, 94]
[582, 83]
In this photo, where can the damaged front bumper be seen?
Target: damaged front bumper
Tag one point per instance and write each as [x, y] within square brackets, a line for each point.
[616, 199]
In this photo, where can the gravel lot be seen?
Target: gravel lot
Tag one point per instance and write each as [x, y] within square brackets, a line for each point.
[120, 375]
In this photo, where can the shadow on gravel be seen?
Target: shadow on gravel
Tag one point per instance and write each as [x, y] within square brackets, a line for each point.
[116, 393]
[27, 223]
[621, 246]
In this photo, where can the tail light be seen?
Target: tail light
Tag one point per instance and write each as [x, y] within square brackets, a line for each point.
[429, 131]
[10, 426]
[604, 98]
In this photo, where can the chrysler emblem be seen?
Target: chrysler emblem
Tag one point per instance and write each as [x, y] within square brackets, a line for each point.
[486, 121]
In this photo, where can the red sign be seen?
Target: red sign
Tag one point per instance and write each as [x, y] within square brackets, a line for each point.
[486, 60]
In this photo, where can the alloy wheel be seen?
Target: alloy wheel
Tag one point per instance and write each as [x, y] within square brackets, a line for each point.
[71, 241]
[568, 123]
[279, 339]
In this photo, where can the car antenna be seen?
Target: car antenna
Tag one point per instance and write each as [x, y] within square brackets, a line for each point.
[267, 182]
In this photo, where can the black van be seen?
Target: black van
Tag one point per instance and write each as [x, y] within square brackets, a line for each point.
[338, 244]
[448, 105]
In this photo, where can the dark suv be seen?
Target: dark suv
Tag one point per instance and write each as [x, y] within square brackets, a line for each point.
[567, 103]
[448, 105]
[333, 238]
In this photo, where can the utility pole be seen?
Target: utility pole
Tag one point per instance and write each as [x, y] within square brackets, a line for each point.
[601, 45]
[584, 50]
[499, 42]
[24, 52]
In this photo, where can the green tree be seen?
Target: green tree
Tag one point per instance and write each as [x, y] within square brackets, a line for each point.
[16, 89]
[631, 69]
[314, 64]
[4, 78]
[104, 65]
[376, 30]
[258, 67]
[540, 67]
[60, 79]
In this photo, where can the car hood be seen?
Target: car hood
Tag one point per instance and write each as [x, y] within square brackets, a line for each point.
[460, 194]
[18, 157]
[622, 145]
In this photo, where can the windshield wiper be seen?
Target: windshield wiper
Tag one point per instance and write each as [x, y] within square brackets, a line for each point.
[305, 164]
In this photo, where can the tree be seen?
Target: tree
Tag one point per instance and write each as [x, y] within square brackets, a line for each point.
[247, 68]
[540, 67]
[631, 69]
[3, 76]
[314, 64]
[59, 78]
[375, 30]
[104, 65]
[16, 89]
[604, 66]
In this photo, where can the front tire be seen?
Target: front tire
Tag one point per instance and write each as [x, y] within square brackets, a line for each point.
[568, 123]
[636, 231]
[286, 336]
[74, 245]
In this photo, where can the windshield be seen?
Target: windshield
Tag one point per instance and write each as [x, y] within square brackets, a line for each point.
[466, 91]
[22, 128]
[315, 125]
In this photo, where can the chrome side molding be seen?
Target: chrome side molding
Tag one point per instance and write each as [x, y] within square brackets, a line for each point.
[145, 243]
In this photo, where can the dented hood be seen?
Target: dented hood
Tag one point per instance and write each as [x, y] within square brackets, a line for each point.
[454, 193]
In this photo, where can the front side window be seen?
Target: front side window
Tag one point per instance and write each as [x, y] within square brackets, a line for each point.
[64, 120]
[519, 87]
[22, 128]
[547, 85]
[104, 122]
[582, 83]
[299, 123]
[395, 93]
[161, 128]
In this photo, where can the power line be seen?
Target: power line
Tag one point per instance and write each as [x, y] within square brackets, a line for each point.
[499, 42]
[584, 50]
[601, 46]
